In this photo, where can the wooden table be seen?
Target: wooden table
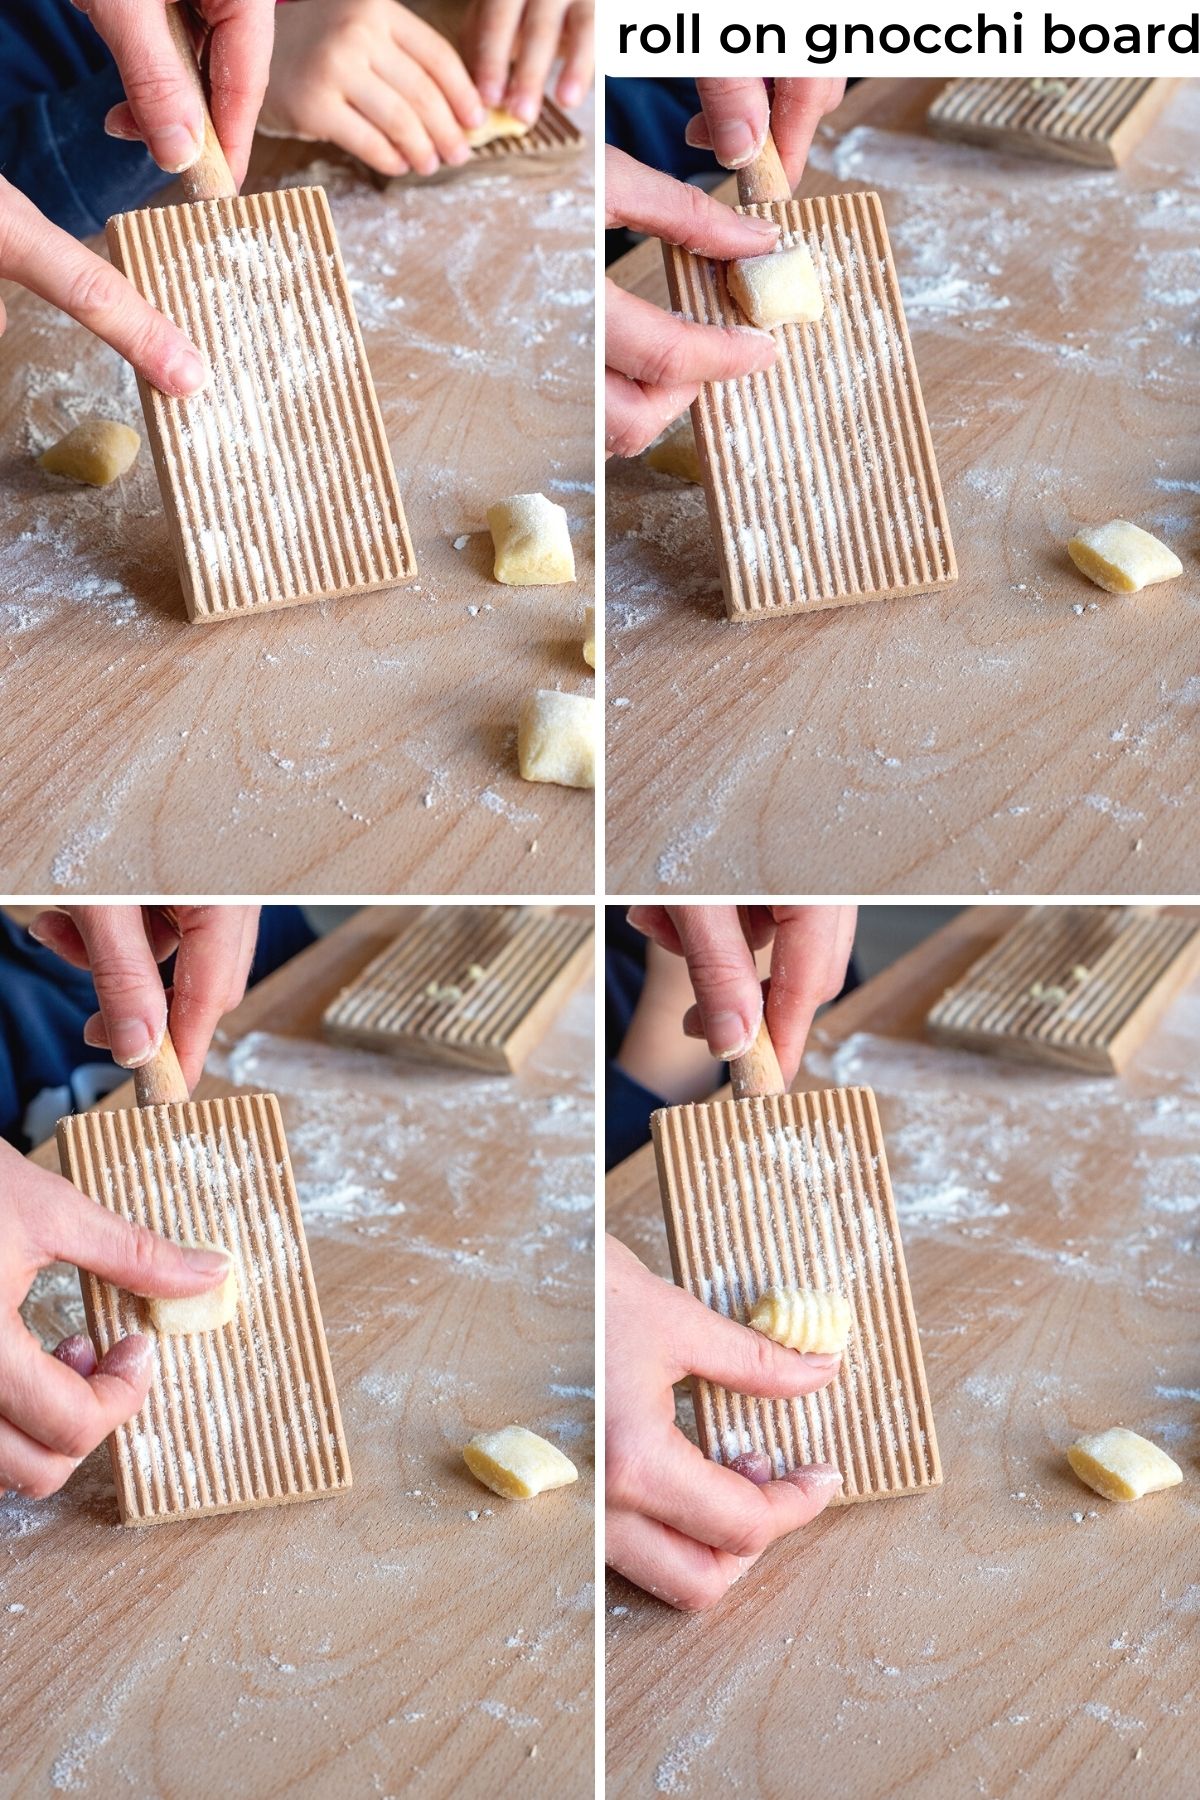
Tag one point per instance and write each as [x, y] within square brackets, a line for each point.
[418, 1628]
[1010, 1633]
[1020, 731]
[356, 746]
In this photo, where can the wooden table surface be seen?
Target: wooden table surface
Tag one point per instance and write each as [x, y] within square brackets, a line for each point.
[1011, 1632]
[417, 1628]
[1021, 731]
[356, 746]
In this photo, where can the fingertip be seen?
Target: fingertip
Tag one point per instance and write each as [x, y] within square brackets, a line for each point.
[77, 1353]
[570, 91]
[818, 1482]
[755, 1465]
[185, 373]
[129, 1359]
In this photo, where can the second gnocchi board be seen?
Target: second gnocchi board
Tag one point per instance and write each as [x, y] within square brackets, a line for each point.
[471, 985]
[819, 473]
[551, 139]
[1089, 119]
[1080, 987]
[793, 1190]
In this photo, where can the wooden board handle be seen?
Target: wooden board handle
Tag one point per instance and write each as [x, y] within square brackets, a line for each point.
[161, 1079]
[209, 177]
[758, 1071]
[763, 179]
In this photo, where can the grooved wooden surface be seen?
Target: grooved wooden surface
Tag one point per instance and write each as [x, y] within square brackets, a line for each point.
[1081, 986]
[553, 134]
[820, 475]
[1087, 119]
[246, 1415]
[475, 985]
[792, 1191]
[276, 477]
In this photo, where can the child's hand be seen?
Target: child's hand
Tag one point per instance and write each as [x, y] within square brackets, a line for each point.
[678, 1525]
[216, 948]
[371, 77]
[509, 46]
[55, 1409]
[738, 110]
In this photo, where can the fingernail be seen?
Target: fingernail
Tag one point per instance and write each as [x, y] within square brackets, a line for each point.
[491, 91]
[77, 1353]
[764, 227]
[728, 1028]
[818, 1480]
[526, 107]
[460, 154]
[570, 93]
[35, 934]
[176, 148]
[755, 1465]
[205, 1262]
[130, 1358]
[126, 134]
[820, 1361]
[131, 1042]
[187, 372]
[734, 143]
[695, 133]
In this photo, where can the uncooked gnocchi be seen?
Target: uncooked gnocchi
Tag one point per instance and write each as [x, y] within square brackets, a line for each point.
[556, 739]
[803, 1319]
[500, 123]
[1122, 558]
[676, 454]
[589, 636]
[517, 1463]
[1120, 1465]
[531, 541]
[95, 452]
[196, 1312]
[780, 288]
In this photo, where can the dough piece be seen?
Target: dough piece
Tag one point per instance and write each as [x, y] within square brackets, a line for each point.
[532, 543]
[1120, 1465]
[803, 1319]
[589, 637]
[1122, 558]
[780, 288]
[498, 124]
[517, 1463]
[556, 739]
[96, 452]
[197, 1312]
[676, 454]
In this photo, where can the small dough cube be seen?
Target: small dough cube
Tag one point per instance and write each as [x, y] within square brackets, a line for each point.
[803, 1319]
[676, 454]
[96, 452]
[556, 739]
[589, 636]
[500, 123]
[1122, 558]
[517, 1463]
[532, 542]
[780, 288]
[197, 1312]
[1120, 1465]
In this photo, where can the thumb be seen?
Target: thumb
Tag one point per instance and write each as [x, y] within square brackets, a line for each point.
[69, 1227]
[719, 1349]
[161, 93]
[128, 982]
[723, 972]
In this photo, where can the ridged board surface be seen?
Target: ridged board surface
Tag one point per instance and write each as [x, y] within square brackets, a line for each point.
[552, 135]
[1135, 962]
[793, 1191]
[276, 478]
[529, 960]
[1089, 119]
[820, 475]
[247, 1415]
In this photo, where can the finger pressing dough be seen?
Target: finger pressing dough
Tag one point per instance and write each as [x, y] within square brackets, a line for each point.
[500, 123]
[676, 454]
[589, 636]
[197, 1312]
[531, 540]
[803, 1319]
[517, 1463]
[96, 452]
[1120, 1465]
[556, 739]
[1122, 558]
[780, 288]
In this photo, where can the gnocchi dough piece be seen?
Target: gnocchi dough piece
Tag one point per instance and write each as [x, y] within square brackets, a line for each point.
[556, 739]
[803, 1319]
[518, 1463]
[531, 541]
[589, 636]
[500, 123]
[96, 452]
[676, 454]
[780, 288]
[1122, 558]
[1120, 1465]
[197, 1312]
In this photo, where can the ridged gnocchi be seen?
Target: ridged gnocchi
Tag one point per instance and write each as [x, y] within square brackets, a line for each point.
[803, 1319]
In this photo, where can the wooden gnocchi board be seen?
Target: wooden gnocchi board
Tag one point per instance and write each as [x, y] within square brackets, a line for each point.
[473, 985]
[1083, 119]
[819, 473]
[793, 1190]
[553, 138]
[1078, 986]
[247, 1415]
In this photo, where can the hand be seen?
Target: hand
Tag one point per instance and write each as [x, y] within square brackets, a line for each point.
[809, 955]
[678, 1525]
[161, 107]
[55, 1409]
[371, 77]
[656, 361]
[216, 948]
[509, 45]
[738, 110]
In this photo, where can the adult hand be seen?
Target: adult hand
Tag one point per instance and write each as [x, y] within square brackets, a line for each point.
[509, 46]
[123, 945]
[655, 361]
[371, 77]
[738, 110]
[54, 1409]
[678, 1525]
[810, 948]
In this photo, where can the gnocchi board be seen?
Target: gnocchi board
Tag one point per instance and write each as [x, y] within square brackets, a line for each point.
[437, 1628]
[247, 1415]
[792, 1190]
[1008, 1631]
[1083, 119]
[554, 138]
[471, 985]
[1078, 986]
[819, 473]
